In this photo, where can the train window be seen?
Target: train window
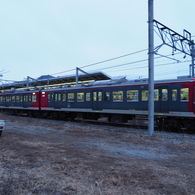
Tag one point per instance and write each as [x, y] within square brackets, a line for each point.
[184, 94]
[34, 97]
[88, 97]
[25, 98]
[56, 97]
[63, 97]
[144, 95]
[71, 97]
[94, 96]
[80, 97]
[1, 99]
[59, 97]
[117, 96]
[99, 96]
[49, 97]
[174, 94]
[13, 98]
[132, 95]
[29, 98]
[106, 96]
[164, 94]
[17, 98]
[156, 95]
[7, 99]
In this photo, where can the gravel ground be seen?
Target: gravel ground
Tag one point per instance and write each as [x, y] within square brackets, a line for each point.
[47, 157]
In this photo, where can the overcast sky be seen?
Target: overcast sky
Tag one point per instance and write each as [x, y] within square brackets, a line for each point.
[41, 37]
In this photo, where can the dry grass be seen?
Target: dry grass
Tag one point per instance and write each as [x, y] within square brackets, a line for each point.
[46, 157]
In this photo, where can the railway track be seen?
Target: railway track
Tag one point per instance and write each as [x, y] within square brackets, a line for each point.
[139, 123]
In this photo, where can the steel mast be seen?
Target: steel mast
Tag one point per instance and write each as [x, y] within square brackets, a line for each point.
[151, 67]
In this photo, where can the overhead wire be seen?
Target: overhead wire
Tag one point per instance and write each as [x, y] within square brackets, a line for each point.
[111, 59]
[124, 64]
[119, 65]
[135, 62]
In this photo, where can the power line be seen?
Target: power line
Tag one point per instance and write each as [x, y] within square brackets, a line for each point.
[111, 59]
[145, 66]
[120, 65]
[135, 62]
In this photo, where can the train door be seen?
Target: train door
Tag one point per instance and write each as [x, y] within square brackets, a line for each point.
[97, 100]
[164, 99]
[7, 98]
[51, 100]
[57, 100]
[26, 100]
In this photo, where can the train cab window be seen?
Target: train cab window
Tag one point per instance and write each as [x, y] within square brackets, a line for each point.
[156, 95]
[106, 96]
[71, 97]
[34, 97]
[63, 97]
[132, 95]
[144, 95]
[164, 94]
[88, 97]
[174, 94]
[117, 96]
[184, 94]
[80, 97]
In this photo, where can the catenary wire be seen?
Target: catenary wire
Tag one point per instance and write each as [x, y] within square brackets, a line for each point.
[111, 59]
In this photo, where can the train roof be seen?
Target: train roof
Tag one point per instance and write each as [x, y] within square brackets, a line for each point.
[44, 80]
[115, 81]
[122, 81]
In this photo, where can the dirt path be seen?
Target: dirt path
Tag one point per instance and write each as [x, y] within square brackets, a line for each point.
[57, 157]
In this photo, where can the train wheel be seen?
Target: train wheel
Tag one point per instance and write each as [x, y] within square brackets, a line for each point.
[54, 115]
[36, 114]
[63, 116]
[29, 114]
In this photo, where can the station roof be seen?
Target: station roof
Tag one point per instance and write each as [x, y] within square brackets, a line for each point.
[50, 80]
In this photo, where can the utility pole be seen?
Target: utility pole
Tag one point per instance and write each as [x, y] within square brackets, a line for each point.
[193, 56]
[151, 67]
[77, 74]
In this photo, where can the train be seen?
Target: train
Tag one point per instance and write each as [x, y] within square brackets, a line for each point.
[119, 100]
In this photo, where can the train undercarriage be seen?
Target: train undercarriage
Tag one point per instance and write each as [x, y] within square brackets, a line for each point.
[180, 124]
